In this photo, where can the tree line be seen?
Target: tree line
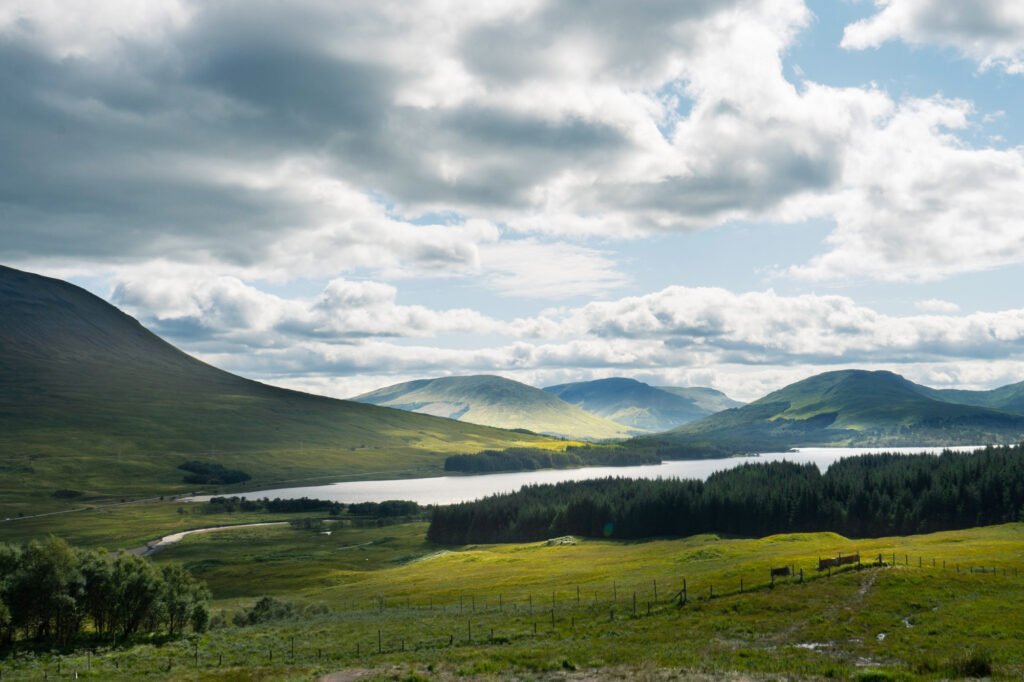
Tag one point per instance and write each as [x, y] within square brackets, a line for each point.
[864, 496]
[52, 593]
[230, 505]
[387, 508]
[530, 459]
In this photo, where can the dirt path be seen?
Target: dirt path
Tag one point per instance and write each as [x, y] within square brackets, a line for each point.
[156, 545]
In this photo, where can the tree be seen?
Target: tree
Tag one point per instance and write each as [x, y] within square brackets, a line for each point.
[137, 592]
[184, 600]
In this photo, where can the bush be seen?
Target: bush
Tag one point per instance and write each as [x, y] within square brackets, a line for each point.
[212, 473]
[973, 663]
[266, 610]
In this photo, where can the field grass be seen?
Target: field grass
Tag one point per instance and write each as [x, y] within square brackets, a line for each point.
[441, 604]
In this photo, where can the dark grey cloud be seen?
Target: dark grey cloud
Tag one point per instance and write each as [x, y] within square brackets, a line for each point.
[135, 149]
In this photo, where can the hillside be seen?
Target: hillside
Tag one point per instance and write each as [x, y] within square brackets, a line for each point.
[1005, 398]
[851, 407]
[636, 404]
[495, 401]
[707, 399]
[91, 401]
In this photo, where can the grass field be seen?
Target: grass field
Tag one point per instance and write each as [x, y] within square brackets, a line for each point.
[442, 604]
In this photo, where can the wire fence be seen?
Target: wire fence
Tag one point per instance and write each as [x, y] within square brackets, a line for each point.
[393, 625]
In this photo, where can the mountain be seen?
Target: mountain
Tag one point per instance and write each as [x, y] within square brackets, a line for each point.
[496, 401]
[707, 399]
[636, 404]
[90, 401]
[854, 408]
[1005, 398]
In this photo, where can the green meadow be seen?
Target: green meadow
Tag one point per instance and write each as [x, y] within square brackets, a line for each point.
[379, 602]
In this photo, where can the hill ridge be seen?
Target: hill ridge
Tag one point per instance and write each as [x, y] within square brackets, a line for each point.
[93, 401]
[855, 408]
[496, 401]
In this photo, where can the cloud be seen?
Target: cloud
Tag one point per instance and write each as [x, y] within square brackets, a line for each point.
[355, 333]
[938, 306]
[916, 203]
[231, 316]
[990, 32]
[257, 139]
[766, 328]
[542, 269]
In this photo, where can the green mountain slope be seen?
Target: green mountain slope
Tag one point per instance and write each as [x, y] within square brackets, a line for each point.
[496, 401]
[91, 401]
[1005, 398]
[634, 403]
[707, 399]
[851, 407]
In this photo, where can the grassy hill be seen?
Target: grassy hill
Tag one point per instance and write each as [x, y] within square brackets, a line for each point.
[90, 401]
[496, 401]
[636, 404]
[496, 604]
[1005, 398]
[852, 407]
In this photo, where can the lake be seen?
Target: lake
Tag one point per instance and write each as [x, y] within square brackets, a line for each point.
[452, 489]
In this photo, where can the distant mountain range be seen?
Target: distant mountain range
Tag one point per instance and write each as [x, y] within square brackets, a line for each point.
[91, 402]
[860, 408]
[496, 401]
[644, 407]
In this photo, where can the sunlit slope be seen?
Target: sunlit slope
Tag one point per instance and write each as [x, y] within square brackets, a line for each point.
[636, 404]
[496, 401]
[92, 401]
[852, 407]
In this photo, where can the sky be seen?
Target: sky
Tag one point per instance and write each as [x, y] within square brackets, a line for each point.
[337, 196]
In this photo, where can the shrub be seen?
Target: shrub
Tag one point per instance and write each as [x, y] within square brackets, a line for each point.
[211, 473]
[266, 610]
[973, 663]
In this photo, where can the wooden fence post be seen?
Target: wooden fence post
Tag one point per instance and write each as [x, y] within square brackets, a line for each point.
[655, 581]
[380, 643]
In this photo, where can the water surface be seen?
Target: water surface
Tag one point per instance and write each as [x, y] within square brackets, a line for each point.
[452, 489]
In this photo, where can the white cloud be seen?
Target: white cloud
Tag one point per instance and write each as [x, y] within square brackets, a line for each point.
[744, 343]
[543, 269]
[991, 32]
[916, 203]
[938, 306]
[230, 314]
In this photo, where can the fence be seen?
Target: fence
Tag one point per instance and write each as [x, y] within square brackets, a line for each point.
[476, 619]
